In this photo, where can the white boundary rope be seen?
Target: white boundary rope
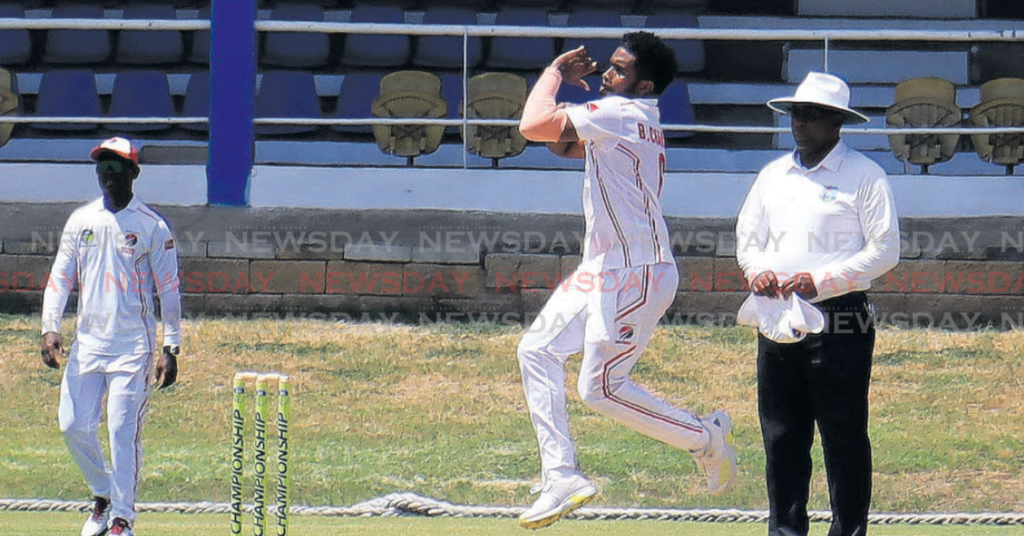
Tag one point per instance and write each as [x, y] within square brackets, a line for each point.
[410, 504]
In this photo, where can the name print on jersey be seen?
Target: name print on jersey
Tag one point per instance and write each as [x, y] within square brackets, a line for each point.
[651, 134]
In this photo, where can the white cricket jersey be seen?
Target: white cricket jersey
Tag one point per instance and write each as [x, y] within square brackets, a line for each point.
[625, 175]
[836, 221]
[116, 260]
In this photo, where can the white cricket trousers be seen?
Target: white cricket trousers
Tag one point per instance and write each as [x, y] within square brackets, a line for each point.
[610, 316]
[81, 402]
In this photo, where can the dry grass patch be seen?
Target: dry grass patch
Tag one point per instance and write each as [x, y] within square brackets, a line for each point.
[439, 410]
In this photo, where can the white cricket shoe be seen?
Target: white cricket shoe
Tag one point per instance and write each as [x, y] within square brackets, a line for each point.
[718, 460]
[558, 497]
[96, 523]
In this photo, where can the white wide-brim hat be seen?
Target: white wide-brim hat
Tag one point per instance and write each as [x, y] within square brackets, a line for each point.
[821, 89]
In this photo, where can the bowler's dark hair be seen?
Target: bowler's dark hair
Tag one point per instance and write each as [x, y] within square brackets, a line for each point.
[655, 60]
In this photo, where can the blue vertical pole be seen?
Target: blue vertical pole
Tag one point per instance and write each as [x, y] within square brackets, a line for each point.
[232, 98]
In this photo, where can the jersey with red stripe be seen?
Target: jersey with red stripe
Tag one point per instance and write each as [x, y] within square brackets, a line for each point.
[625, 176]
[116, 259]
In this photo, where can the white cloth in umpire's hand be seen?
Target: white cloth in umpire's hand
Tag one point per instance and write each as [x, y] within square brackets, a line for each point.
[781, 320]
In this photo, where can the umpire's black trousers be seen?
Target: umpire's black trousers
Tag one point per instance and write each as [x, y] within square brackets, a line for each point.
[822, 379]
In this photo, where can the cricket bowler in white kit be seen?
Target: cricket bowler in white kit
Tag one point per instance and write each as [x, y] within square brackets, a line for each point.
[610, 305]
[117, 250]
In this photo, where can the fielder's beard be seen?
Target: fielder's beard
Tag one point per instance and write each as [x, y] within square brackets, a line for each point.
[628, 92]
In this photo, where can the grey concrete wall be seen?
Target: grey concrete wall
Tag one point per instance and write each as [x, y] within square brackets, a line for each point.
[439, 266]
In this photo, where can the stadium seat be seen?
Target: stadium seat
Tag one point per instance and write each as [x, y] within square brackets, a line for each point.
[287, 94]
[445, 52]
[546, 4]
[1002, 105]
[15, 45]
[67, 93]
[600, 49]
[409, 94]
[496, 96]
[9, 103]
[355, 100]
[661, 4]
[924, 102]
[200, 50]
[296, 49]
[197, 100]
[376, 50]
[451, 89]
[477, 5]
[141, 94]
[676, 109]
[521, 52]
[623, 6]
[689, 52]
[77, 46]
[149, 47]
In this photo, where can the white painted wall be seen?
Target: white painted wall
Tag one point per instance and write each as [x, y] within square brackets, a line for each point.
[559, 192]
[64, 183]
[520, 191]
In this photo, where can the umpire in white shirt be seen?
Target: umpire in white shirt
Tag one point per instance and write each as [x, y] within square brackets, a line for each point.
[117, 250]
[819, 222]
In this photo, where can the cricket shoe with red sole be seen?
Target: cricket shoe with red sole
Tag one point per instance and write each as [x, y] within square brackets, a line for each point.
[121, 527]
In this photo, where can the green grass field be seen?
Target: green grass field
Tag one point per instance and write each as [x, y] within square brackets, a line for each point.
[439, 411]
[49, 524]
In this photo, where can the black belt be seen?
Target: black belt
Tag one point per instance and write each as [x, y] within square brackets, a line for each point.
[852, 302]
[846, 312]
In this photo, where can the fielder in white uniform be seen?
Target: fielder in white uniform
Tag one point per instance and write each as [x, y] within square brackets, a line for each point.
[610, 305]
[117, 250]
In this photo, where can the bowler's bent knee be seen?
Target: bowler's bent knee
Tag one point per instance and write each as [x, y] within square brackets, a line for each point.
[595, 395]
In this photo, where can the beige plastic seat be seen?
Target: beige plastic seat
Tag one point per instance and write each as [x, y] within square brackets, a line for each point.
[8, 104]
[495, 96]
[1002, 105]
[924, 102]
[409, 94]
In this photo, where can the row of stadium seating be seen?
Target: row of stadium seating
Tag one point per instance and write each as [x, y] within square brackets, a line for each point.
[734, 96]
[319, 50]
[290, 94]
[931, 102]
[919, 102]
[638, 6]
[293, 94]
